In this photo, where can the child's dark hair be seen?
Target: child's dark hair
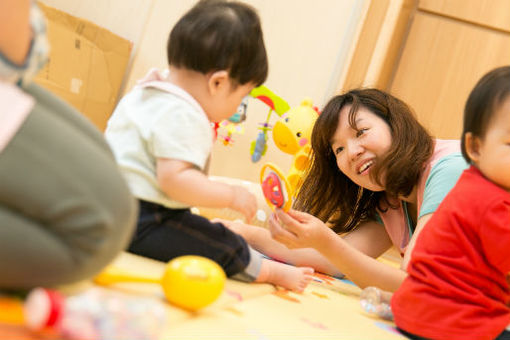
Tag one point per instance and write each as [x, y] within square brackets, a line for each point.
[329, 194]
[220, 35]
[490, 91]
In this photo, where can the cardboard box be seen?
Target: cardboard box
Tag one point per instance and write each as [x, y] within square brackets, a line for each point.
[86, 66]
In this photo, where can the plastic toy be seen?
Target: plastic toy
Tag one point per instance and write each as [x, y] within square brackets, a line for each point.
[240, 115]
[373, 303]
[232, 124]
[191, 282]
[276, 104]
[292, 134]
[259, 146]
[91, 314]
[231, 128]
[275, 187]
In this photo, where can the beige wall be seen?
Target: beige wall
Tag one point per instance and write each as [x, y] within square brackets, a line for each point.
[309, 45]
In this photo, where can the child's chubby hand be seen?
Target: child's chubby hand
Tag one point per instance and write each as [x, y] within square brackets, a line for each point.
[244, 202]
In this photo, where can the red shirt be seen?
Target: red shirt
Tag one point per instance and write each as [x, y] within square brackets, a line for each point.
[457, 288]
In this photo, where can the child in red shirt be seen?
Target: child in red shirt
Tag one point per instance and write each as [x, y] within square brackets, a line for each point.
[457, 287]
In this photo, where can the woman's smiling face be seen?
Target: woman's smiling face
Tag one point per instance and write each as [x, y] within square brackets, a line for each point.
[358, 148]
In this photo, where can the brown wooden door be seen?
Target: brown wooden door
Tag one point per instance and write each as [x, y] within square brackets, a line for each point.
[435, 52]
[450, 45]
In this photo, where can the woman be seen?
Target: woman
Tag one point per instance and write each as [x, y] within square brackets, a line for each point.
[376, 177]
[65, 210]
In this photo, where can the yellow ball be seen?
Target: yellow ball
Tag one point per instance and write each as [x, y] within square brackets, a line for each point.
[193, 282]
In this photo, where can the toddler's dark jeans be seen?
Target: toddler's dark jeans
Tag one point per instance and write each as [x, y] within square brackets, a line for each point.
[163, 234]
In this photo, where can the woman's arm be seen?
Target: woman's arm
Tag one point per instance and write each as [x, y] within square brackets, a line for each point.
[260, 239]
[353, 255]
[419, 227]
[15, 30]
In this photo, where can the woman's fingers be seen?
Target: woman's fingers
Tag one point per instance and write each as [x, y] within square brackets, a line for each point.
[299, 215]
[288, 222]
[281, 234]
[308, 230]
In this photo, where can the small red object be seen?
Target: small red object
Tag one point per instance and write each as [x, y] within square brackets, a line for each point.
[272, 188]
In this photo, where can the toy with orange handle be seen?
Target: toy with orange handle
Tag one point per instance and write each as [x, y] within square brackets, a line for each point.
[191, 282]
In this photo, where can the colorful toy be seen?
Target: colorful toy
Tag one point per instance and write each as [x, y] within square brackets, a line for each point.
[232, 125]
[275, 187]
[292, 134]
[259, 146]
[191, 282]
[240, 115]
[231, 128]
[276, 104]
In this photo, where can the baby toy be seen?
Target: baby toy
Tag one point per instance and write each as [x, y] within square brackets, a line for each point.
[292, 134]
[231, 128]
[233, 124]
[240, 115]
[276, 104]
[91, 314]
[275, 187]
[191, 282]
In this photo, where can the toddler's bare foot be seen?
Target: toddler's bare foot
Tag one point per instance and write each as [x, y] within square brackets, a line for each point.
[289, 277]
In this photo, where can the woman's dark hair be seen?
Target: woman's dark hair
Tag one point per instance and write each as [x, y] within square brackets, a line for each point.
[487, 95]
[220, 35]
[329, 194]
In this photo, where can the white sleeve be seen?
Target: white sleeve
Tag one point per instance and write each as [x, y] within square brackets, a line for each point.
[182, 133]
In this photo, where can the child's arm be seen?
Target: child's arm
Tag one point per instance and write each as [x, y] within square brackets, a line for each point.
[419, 227]
[184, 183]
[15, 29]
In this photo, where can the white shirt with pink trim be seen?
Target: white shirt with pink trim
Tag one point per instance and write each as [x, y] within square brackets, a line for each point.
[157, 120]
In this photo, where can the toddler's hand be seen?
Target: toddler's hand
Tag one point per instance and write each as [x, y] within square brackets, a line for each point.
[244, 202]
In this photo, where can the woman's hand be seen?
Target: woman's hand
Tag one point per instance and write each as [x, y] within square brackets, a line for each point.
[297, 229]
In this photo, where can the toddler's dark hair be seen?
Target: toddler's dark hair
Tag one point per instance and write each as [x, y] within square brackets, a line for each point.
[485, 98]
[220, 35]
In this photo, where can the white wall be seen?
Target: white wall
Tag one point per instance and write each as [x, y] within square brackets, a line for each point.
[308, 44]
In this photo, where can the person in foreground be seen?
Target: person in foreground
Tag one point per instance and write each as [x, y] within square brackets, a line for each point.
[457, 286]
[162, 137]
[376, 177]
[65, 209]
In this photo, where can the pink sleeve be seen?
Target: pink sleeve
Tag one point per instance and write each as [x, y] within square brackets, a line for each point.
[16, 105]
